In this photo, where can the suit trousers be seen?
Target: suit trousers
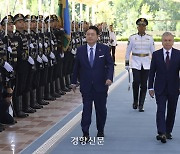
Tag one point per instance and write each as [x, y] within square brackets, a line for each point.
[99, 99]
[165, 122]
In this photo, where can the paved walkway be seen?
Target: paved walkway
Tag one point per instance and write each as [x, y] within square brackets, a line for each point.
[127, 131]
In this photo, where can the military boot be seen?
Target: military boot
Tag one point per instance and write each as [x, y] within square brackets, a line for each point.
[42, 93]
[40, 97]
[19, 108]
[63, 85]
[68, 81]
[58, 87]
[33, 101]
[52, 90]
[27, 107]
[47, 95]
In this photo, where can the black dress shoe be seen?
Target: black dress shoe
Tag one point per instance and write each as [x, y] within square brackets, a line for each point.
[168, 136]
[135, 106]
[141, 109]
[85, 138]
[162, 138]
[100, 134]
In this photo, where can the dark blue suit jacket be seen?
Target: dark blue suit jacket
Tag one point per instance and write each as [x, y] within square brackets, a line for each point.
[161, 79]
[96, 76]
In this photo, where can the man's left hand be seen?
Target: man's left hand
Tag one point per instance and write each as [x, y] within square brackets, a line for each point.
[108, 82]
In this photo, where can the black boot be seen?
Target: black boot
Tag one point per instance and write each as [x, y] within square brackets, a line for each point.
[19, 108]
[68, 82]
[47, 95]
[40, 97]
[58, 87]
[53, 92]
[63, 85]
[26, 100]
[33, 101]
[141, 100]
[45, 102]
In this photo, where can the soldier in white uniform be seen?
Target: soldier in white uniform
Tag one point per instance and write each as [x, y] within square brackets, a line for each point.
[113, 42]
[141, 45]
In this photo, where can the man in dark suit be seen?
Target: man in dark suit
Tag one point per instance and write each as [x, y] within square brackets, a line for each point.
[94, 68]
[164, 83]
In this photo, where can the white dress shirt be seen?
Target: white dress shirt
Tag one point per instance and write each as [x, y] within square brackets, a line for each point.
[165, 54]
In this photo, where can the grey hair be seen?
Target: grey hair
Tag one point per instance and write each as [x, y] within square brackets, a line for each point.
[167, 34]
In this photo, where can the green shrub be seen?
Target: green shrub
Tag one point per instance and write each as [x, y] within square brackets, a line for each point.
[156, 39]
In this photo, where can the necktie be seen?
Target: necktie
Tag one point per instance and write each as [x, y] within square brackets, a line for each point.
[91, 57]
[167, 59]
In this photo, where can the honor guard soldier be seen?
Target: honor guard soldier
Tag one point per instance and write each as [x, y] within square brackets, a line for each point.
[6, 75]
[59, 34]
[48, 46]
[23, 63]
[68, 57]
[10, 56]
[142, 46]
[39, 89]
[31, 68]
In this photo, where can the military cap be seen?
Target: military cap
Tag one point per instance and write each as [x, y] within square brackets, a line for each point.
[27, 17]
[33, 18]
[10, 20]
[54, 17]
[40, 17]
[47, 19]
[142, 21]
[18, 17]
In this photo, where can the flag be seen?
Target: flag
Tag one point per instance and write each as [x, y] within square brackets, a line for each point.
[64, 15]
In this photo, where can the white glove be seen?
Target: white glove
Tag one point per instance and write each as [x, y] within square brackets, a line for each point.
[10, 49]
[39, 59]
[52, 42]
[73, 41]
[31, 46]
[84, 39]
[30, 60]
[45, 45]
[44, 58]
[40, 45]
[52, 55]
[73, 51]
[62, 55]
[8, 67]
[127, 68]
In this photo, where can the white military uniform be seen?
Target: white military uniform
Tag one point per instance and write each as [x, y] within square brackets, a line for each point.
[142, 48]
[112, 36]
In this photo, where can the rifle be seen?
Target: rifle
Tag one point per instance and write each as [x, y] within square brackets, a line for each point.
[10, 75]
[29, 42]
[50, 41]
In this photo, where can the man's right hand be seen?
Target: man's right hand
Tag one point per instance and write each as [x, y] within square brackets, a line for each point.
[127, 68]
[151, 93]
[8, 67]
[73, 86]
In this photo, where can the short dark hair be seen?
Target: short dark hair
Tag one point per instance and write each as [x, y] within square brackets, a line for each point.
[95, 28]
